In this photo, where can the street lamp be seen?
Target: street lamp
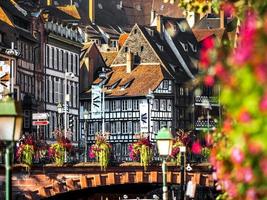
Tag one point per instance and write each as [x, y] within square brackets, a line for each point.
[103, 76]
[164, 140]
[66, 99]
[182, 170]
[150, 96]
[85, 117]
[10, 130]
[60, 111]
[12, 52]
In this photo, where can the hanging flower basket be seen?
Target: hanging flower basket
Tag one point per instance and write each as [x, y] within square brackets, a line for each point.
[141, 150]
[101, 150]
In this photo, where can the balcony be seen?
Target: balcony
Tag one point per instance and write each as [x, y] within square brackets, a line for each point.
[204, 100]
[204, 124]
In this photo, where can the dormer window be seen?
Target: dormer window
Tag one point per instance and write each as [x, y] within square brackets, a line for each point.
[125, 49]
[160, 47]
[142, 48]
[126, 85]
[114, 85]
[185, 46]
[135, 31]
[182, 26]
[193, 47]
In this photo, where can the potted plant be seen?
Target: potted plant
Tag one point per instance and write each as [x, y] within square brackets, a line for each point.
[101, 150]
[25, 151]
[141, 150]
[57, 150]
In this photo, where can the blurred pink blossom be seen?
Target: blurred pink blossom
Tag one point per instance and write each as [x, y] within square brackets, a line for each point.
[251, 194]
[209, 80]
[263, 103]
[263, 166]
[237, 156]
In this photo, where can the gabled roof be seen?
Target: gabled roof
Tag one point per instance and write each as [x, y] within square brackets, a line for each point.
[70, 10]
[151, 75]
[201, 34]
[4, 18]
[109, 56]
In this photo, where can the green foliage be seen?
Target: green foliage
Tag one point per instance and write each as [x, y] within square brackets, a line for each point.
[57, 152]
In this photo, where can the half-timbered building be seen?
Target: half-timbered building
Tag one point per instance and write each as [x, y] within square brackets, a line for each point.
[62, 64]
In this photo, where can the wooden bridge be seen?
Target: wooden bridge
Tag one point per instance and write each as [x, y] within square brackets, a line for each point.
[47, 181]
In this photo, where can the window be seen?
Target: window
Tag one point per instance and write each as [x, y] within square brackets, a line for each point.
[113, 127]
[56, 89]
[163, 105]
[106, 105]
[113, 43]
[1, 37]
[125, 49]
[135, 104]
[112, 105]
[60, 60]
[136, 126]
[27, 119]
[126, 127]
[135, 31]
[165, 84]
[181, 91]
[55, 58]
[169, 105]
[50, 57]
[155, 105]
[142, 48]
[118, 127]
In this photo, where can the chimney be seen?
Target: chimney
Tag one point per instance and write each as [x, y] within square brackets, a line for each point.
[159, 25]
[49, 2]
[221, 19]
[129, 62]
[152, 16]
[91, 9]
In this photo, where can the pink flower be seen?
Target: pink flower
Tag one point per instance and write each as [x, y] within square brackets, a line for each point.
[237, 156]
[209, 80]
[248, 174]
[244, 116]
[228, 9]
[263, 103]
[230, 188]
[263, 166]
[251, 194]
[208, 43]
[261, 72]
[245, 47]
[196, 147]
[254, 148]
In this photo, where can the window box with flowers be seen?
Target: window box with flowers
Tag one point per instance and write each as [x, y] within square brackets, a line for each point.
[25, 151]
[56, 151]
[141, 150]
[101, 150]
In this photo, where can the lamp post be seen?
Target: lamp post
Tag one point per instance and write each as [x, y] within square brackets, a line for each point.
[60, 111]
[85, 117]
[164, 140]
[10, 131]
[12, 52]
[150, 97]
[66, 99]
[103, 76]
[182, 170]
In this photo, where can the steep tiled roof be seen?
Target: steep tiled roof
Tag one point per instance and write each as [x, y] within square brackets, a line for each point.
[201, 34]
[151, 75]
[109, 56]
[122, 38]
[131, 12]
[70, 10]
[5, 18]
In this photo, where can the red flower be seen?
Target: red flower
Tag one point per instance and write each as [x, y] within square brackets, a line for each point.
[209, 80]
[196, 147]
[263, 166]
